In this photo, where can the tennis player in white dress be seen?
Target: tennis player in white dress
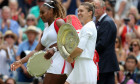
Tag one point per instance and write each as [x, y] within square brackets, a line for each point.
[85, 70]
[49, 11]
[49, 38]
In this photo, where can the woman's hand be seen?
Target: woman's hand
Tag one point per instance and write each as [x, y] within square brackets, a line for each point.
[49, 54]
[16, 65]
[70, 60]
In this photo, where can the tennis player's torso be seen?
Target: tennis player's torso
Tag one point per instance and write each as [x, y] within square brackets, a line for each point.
[49, 36]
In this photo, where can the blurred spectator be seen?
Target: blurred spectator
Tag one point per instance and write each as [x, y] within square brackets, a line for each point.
[7, 23]
[135, 48]
[121, 56]
[1, 82]
[25, 5]
[36, 12]
[110, 12]
[110, 3]
[129, 36]
[10, 81]
[76, 11]
[30, 21]
[121, 77]
[130, 73]
[120, 74]
[10, 39]
[3, 3]
[15, 12]
[138, 6]
[30, 44]
[120, 8]
[130, 26]
[134, 11]
[123, 6]
[71, 5]
[4, 58]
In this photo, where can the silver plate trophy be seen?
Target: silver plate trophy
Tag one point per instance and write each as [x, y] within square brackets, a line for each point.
[67, 40]
[37, 65]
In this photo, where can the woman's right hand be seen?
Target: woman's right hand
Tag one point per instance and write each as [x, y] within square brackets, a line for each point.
[16, 65]
[49, 54]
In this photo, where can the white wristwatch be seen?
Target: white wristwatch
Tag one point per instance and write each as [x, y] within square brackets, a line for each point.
[55, 49]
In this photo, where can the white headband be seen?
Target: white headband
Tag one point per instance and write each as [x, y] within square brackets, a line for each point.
[48, 5]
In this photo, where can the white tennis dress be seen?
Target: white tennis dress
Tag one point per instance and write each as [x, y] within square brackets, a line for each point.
[85, 70]
[49, 38]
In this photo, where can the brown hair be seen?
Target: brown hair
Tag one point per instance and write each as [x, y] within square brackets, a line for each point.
[89, 7]
[132, 56]
[135, 17]
[10, 79]
[136, 40]
[58, 10]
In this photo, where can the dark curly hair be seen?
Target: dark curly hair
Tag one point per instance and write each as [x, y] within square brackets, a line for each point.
[59, 11]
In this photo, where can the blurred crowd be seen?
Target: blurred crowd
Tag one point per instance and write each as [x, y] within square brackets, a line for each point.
[21, 28]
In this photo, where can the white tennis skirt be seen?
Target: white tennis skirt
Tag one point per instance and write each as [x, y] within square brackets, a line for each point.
[84, 72]
[57, 65]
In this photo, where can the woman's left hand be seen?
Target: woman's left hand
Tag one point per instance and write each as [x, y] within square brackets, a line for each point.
[49, 54]
[70, 60]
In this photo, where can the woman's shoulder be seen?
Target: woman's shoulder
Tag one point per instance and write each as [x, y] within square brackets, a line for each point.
[59, 22]
[91, 23]
[89, 26]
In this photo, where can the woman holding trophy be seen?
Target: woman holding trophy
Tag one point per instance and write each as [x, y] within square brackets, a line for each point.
[49, 12]
[85, 70]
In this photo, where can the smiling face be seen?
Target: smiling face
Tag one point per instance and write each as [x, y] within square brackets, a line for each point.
[84, 14]
[46, 14]
[6, 13]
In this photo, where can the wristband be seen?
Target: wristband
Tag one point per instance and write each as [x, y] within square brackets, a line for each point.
[55, 49]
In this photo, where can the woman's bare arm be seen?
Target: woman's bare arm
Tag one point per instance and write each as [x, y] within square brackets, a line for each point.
[19, 63]
[66, 4]
[38, 48]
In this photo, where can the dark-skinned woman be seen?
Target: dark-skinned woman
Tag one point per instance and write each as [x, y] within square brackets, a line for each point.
[56, 74]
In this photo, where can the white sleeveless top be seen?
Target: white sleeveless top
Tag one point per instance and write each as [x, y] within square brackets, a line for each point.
[49, 38]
